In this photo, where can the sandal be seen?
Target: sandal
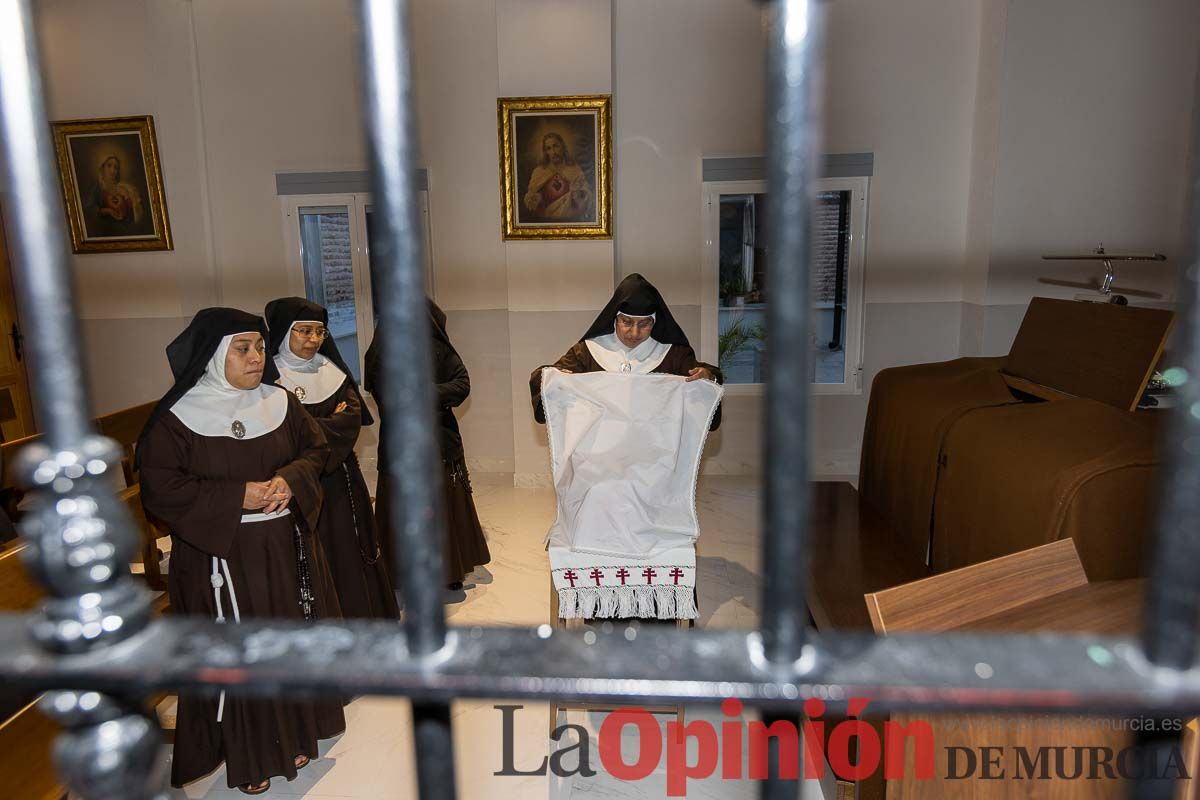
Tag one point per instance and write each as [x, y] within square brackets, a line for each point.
[253, 789]
[302, 761]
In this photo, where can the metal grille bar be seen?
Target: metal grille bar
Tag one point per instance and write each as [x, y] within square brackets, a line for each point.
[417, 515]
[903, 672]
[793, 82]
[94, 631]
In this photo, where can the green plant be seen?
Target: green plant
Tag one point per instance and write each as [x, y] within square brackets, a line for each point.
[733, 283]
[736, 338]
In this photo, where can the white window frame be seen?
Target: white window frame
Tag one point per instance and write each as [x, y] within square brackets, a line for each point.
[357, 206]
[859, 188]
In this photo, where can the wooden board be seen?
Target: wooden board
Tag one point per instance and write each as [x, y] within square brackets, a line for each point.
[956, 598]
[25, 756]
[1101, 351]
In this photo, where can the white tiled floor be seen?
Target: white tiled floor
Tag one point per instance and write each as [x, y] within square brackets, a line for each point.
[373, 760]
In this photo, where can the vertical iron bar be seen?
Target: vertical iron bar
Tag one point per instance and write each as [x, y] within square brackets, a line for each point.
[793, 132]
[80, 538]
[404, 322]
[1173, 591]
[42, 276]
[407, 401]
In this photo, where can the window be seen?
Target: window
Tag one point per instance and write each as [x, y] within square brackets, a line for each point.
[736, 263]
[328, 240]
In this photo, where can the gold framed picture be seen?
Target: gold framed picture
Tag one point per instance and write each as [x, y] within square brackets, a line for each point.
[112, 184]
[556, 167]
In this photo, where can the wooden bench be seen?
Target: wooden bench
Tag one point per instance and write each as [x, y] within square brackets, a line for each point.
[123, 427]
[25, 733]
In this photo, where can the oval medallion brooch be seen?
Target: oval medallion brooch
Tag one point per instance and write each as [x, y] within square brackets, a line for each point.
[239, 430]
[300, 393]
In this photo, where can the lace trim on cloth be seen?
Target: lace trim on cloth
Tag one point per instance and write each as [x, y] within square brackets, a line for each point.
[596, 588]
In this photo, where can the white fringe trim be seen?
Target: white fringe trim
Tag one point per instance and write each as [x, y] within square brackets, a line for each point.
[661, 602]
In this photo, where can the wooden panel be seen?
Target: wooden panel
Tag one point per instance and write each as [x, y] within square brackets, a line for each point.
[854, 551]
[12, 365]
[1189, 788]
[1108, 607]
[124, 427]
[18, 592]
[1101, 351]
[955, 598]
[1009, 732]
[25, 761]
[1034, 389]
[1042, 589]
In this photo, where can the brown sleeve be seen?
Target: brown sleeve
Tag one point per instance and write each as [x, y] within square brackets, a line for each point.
[303, 473]
[205, 513]
[571, 361]
[453, 382]
[688, 362]
[341, 429]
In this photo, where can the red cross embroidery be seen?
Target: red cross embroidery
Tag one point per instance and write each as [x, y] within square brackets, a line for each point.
[649, 574]
[596, 575]
[676, 573]
[622, 573]
[570, 576]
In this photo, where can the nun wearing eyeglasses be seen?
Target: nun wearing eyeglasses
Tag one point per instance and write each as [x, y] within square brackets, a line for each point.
[312, 369]
[634, 333]
[231, 463]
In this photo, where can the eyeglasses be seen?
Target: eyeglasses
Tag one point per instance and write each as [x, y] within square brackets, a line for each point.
[308, 333]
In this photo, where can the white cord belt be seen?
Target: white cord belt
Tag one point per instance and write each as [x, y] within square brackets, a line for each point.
[260, 517]
[219, 566]
[221, 577]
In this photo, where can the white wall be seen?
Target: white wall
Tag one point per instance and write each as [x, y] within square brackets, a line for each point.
[902, 79]
[279, 92]
[1000, 128]
[143, 63]
[688, 84]
[1096, 107]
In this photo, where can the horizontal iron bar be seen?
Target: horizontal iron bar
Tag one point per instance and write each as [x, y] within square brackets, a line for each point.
[614, 663]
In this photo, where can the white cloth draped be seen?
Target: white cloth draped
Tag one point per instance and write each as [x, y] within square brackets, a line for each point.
[625, 452]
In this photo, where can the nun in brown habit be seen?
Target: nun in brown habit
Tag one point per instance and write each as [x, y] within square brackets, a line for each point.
[465, 546]
[232, 465]
[311, 368]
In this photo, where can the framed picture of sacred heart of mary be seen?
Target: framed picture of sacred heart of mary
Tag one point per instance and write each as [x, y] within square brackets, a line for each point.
[556, 167]
[112, 184]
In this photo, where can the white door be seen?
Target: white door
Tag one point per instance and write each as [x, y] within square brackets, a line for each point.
[328, 239]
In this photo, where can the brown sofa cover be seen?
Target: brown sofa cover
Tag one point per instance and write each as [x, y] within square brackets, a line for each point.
[1025, 475]
[910, 411]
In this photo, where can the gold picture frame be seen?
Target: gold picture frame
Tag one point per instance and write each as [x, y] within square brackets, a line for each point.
[112, 184]
[556, 167]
